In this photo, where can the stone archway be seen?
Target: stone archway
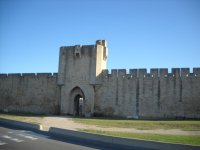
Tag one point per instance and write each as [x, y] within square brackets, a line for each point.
[78, 105]
[77, 102]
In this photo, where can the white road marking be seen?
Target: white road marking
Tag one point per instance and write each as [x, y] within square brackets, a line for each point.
[13, 139]
[17, 140]
[27, 136]
[7, 137]
[29, 133]
[2, 143]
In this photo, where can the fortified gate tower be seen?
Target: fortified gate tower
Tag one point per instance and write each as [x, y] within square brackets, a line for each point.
[79, 69]
[84, 87]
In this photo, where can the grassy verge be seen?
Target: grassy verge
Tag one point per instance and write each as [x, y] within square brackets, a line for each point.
[142, 124]
[191, 140]
[23, 117]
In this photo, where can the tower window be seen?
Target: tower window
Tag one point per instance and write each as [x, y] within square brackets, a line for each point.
[77, 55]
[105, 53]
[77, 51]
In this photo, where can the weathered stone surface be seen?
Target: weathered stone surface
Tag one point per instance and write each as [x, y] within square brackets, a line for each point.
[84, 87]
[29, 93]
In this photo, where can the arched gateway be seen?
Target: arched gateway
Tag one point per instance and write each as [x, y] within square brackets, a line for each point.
[77, 102]
[86, 88]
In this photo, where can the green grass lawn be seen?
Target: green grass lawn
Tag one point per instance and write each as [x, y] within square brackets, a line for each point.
[182, 139]
[188, 125]
[142, 124]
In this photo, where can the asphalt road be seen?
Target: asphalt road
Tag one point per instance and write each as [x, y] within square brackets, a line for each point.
[17, 139]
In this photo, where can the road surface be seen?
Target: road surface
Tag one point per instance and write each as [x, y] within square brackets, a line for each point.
[17, 139]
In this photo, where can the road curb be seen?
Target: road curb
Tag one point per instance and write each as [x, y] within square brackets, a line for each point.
[120, 141]
[22, 125]
[100, 138]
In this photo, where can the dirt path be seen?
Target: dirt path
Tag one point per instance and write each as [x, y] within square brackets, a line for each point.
[67, 123]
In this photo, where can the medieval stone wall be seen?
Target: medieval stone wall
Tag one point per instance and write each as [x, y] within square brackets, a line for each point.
[137, 94]
[30, 93]
[153, 95]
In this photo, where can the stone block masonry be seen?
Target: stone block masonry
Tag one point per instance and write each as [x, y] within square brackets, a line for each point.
[154, 95]
[84, 87]
[29, 93]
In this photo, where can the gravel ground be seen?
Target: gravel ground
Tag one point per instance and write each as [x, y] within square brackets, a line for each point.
[68, 123]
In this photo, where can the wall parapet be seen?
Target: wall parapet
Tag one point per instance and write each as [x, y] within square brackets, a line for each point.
[21, 75]
[132, 73]
[154, 73]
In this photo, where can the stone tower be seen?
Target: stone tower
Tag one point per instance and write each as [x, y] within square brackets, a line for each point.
[84, 87]
[79, 69]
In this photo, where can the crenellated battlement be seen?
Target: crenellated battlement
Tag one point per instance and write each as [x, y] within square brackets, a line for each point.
[154, 73]
[82, 74]
[159, 93]
[123, 73]
[34, 75]
[101, 42]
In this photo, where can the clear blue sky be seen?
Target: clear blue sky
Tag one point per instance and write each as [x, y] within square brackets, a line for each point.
[140, 33]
